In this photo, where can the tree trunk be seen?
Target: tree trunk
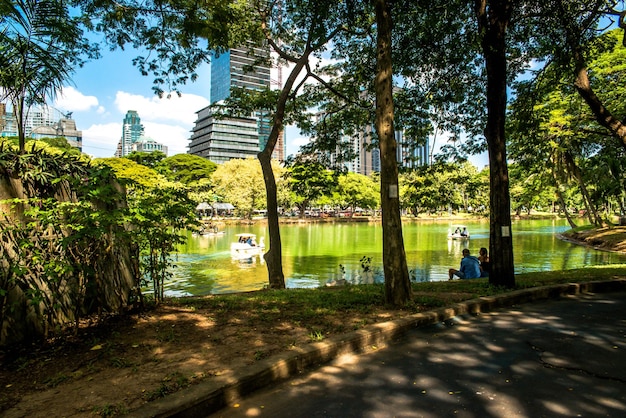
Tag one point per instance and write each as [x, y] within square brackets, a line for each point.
[592, 214]
[302, 209]
[274, 256]
[557, 188]
[397, 282]
[18, 110]
[601, 113]
[493, 18]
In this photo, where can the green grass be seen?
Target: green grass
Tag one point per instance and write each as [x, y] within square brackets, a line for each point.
[308, 305]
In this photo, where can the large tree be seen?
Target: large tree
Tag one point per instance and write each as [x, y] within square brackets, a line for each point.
[552, 126]
[358, 96]
[493, 18]
[188, 169]
[397, 281]
[357, 191]
[309, 180]
[240, 182]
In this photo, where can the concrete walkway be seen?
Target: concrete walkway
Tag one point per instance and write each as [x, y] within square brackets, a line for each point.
[563, 355]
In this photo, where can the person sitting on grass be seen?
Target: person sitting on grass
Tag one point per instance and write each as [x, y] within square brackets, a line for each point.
[470, 267]
[485, 263]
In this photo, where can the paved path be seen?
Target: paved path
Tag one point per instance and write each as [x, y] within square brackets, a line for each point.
[556, 358]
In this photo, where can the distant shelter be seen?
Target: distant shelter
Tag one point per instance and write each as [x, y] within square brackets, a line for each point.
[205, 209]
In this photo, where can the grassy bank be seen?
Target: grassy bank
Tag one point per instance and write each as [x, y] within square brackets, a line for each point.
[321, 310]
[606, 238]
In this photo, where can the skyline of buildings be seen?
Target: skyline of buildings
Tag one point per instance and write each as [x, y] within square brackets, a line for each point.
[133, 138]
[231, 138]
[42, 122]
[366, 158]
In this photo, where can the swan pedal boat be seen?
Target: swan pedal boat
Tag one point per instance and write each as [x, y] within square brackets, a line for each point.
[457, 235]
[246, 246]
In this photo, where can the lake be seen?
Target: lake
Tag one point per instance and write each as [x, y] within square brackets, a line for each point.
[315, 253]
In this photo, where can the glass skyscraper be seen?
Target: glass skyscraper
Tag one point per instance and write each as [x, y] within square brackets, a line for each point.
[247, 68]
[243, 68]
[132, 130]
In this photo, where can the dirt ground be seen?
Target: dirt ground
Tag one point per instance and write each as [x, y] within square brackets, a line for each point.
[122, 363]
[117, 366]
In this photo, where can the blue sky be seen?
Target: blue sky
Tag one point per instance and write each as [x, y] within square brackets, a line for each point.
[103, 91]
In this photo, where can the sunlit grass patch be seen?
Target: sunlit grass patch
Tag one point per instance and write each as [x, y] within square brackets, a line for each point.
[312, 305]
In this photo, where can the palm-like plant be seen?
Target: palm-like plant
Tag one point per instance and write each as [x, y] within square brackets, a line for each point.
[40, 46]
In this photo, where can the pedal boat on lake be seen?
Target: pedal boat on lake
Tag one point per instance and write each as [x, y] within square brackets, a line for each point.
[246, 246]
[460, 236]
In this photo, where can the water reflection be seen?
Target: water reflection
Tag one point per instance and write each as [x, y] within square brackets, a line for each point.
[314, 254]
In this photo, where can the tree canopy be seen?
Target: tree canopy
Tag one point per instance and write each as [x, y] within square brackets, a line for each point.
[240, 182]
[188, 169]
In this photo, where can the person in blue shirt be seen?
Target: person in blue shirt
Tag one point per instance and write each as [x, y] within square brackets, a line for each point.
[470, 267]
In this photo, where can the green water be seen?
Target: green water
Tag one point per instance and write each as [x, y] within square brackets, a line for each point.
[313, 253]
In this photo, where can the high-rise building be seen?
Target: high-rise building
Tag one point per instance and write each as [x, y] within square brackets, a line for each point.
[223, 139]
[410, 155]
[239, 67]
[220, 139]
[133, 138]
[132, 130]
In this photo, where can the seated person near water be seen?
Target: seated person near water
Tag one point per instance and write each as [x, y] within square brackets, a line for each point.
[470, 267]
[464, 232]
[485, 263]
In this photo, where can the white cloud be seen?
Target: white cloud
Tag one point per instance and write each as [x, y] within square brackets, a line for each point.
[72, 100]
[175, 137]
[298, 142]
[177, 109]
[101, 140]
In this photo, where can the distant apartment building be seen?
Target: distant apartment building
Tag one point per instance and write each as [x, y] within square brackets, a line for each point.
[222, 139]
[42, 122]
[64, 127]
[133, 138]
[145, 144]
[366, 158]
[410, 154]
